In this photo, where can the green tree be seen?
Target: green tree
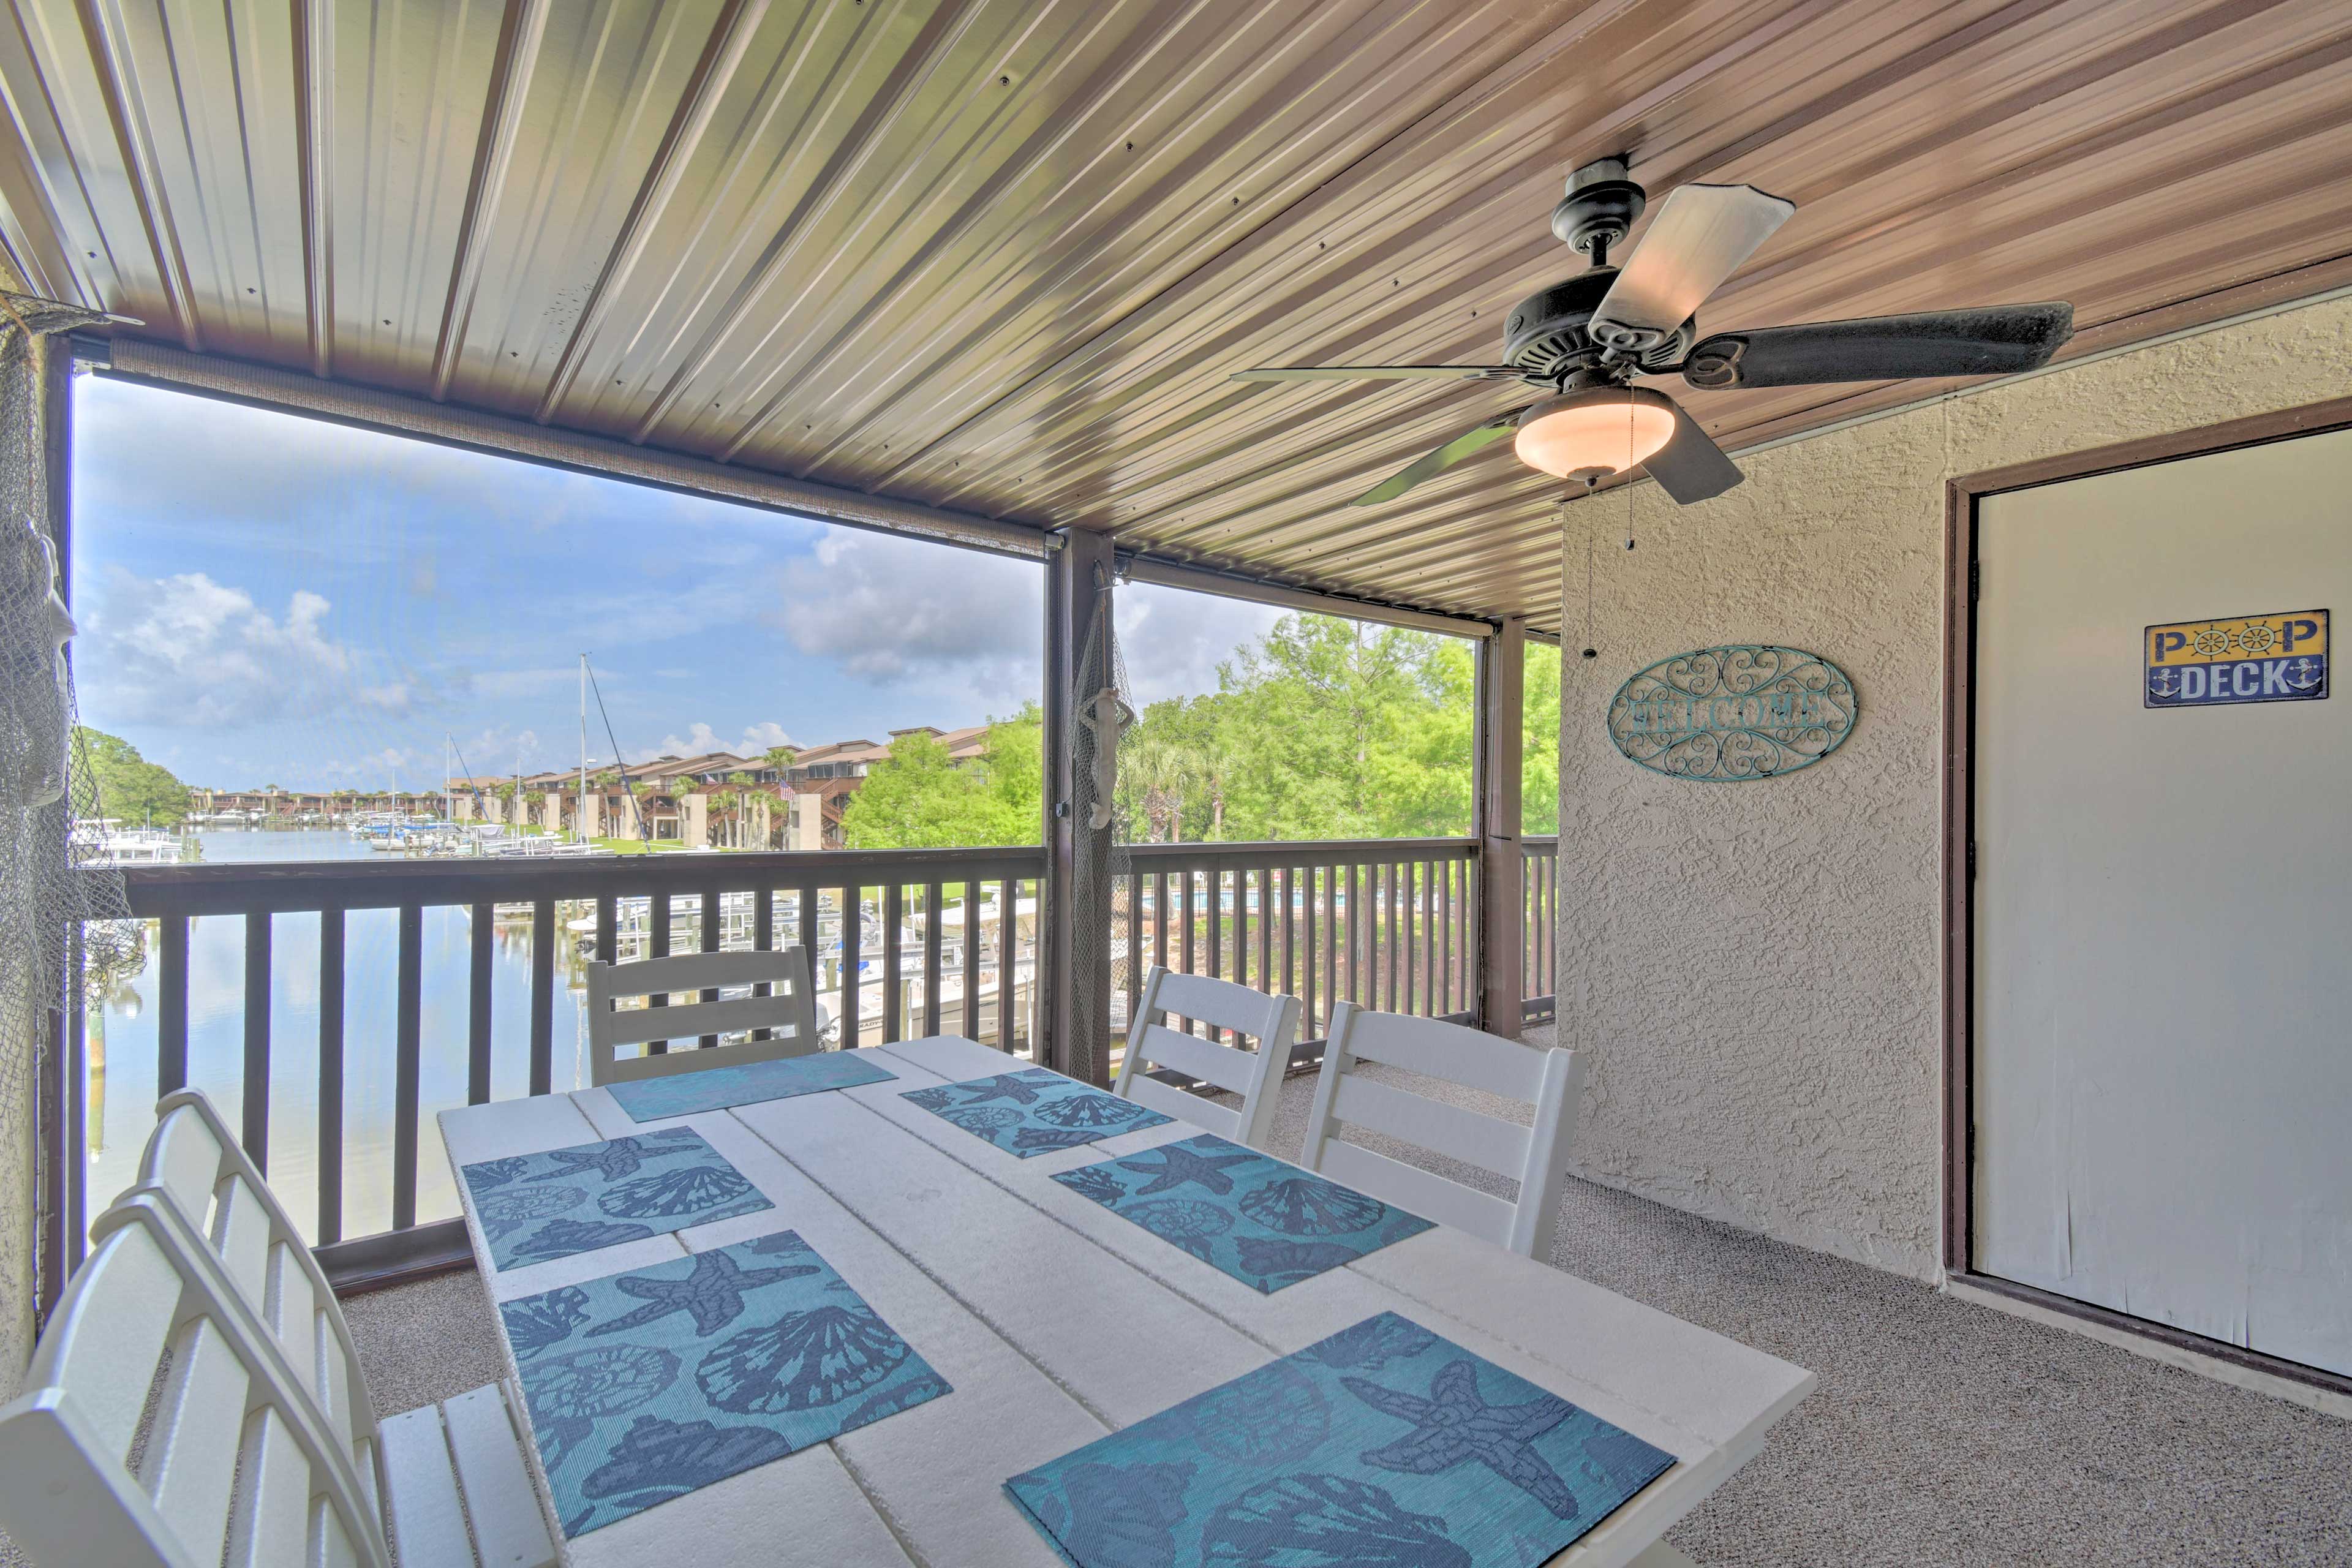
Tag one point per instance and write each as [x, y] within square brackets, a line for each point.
[1539, 761]
[921, 798]
[130, 788]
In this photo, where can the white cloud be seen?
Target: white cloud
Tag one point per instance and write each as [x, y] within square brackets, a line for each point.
[700, 738]
[185, 652]
[894, 610]
[1173, 640]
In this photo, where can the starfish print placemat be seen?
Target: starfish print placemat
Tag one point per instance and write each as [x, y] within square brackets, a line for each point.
[1383, 1444]
[1265, 1223]
[715, 1088]
[644, 1386]
[534, 1207]
[1034, 1110]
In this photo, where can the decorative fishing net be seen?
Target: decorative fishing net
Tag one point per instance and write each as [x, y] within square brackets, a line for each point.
[1102, 954]
[63, 927]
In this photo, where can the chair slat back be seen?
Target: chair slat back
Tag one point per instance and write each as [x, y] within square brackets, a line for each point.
[198, 1172]
[1255, 1074]
[230, 1464]
[1534, 1153]
[787, 1012]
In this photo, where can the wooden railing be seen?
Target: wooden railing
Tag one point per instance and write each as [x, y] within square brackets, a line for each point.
[1386, 923]
[1539, 926]
[943, 940]
[956, 972]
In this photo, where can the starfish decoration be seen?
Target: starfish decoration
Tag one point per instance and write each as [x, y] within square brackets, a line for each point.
[1004, 1085]
[1179, 1165]
[611, 1161]
[713, 1293]
[1453, 1423]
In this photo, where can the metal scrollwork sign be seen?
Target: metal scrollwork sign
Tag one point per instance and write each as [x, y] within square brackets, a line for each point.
[1725, 715]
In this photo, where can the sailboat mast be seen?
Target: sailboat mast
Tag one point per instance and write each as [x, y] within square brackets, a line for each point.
[579, 818]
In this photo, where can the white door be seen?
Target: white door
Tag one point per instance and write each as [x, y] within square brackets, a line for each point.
[2163, 1053]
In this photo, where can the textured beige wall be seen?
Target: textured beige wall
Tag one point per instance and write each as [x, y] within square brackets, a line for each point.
[1754, 969]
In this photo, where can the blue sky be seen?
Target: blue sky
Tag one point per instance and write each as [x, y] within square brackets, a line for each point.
[268, 599]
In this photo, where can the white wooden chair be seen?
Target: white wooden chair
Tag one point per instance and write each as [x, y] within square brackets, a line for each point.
[451, 1480]
[1255, 1076]
[788, 1012]
[1535, 1155]
[232, 1466]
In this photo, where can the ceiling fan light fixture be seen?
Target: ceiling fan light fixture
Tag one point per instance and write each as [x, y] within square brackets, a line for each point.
[1602, 429]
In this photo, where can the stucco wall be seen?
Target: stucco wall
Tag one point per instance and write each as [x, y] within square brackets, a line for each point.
[1753, 969]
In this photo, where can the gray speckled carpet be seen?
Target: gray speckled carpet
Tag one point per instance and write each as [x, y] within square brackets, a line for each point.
[1942, 1432]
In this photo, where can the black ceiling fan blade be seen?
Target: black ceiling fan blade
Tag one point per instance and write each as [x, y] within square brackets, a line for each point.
[1462, 446]
[1690, 466]
[1999, 340]
[1380, 372]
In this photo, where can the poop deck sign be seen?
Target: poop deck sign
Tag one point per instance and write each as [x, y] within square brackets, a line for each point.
[2279, 658]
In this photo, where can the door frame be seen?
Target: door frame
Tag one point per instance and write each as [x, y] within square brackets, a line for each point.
[1961, 494]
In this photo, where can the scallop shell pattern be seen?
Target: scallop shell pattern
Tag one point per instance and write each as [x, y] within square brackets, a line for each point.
[802, 1361]
[1302, 1206]
[1090, 1109]
[1312, 1519]
[684, 1189]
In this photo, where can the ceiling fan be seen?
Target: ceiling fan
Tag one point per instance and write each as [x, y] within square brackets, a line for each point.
[1583, 341]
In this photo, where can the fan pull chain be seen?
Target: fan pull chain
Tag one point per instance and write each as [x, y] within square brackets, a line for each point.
[1592, 549]
[1629, 467]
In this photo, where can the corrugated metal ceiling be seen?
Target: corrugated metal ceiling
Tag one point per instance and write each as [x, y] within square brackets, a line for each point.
[999, 256]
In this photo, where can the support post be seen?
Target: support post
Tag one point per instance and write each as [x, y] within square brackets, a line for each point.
[1501, 723]
[1077, 892]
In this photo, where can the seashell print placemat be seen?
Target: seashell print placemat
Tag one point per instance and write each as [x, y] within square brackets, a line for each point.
[716, 1088]
[1034, 1110]
[1384, 1444]
[1265, 1223]
[534, 1207]
[647, 1384]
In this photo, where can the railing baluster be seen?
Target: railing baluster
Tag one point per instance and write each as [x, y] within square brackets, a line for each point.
[1316, 962]
[482, 917]
[608, 927]
[657, 946]
[972, 960]
[1160, 919]
[330, 1076]
[852, 954]
[1186, 952]
[764, 940]
[255, 1133]
[542, 996]
[1441, 950]
[933, 915]
[1290, 939]
[894, 912]
[1265, 928]
[408, 1060]
[714, 913]
[172, 1005]
[1008, 904]
[805, 900]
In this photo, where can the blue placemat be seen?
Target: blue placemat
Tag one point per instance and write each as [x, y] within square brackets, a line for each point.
[1383, 1445]
[1265, 1223]
[534, 1207]
[647, 1384]
[1034, 1111]
[715, 1088]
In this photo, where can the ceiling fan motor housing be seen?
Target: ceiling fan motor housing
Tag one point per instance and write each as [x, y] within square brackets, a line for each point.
[1545, 337]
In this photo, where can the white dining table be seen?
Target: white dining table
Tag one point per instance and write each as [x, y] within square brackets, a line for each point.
[1055, 1321]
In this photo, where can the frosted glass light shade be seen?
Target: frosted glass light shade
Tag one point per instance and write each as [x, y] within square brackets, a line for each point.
[1606, 430]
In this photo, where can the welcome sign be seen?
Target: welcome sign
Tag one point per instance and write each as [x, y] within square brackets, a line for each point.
[1733, 714]
[2279, 658]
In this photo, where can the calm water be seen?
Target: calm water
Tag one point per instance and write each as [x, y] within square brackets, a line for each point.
[122, 1090]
